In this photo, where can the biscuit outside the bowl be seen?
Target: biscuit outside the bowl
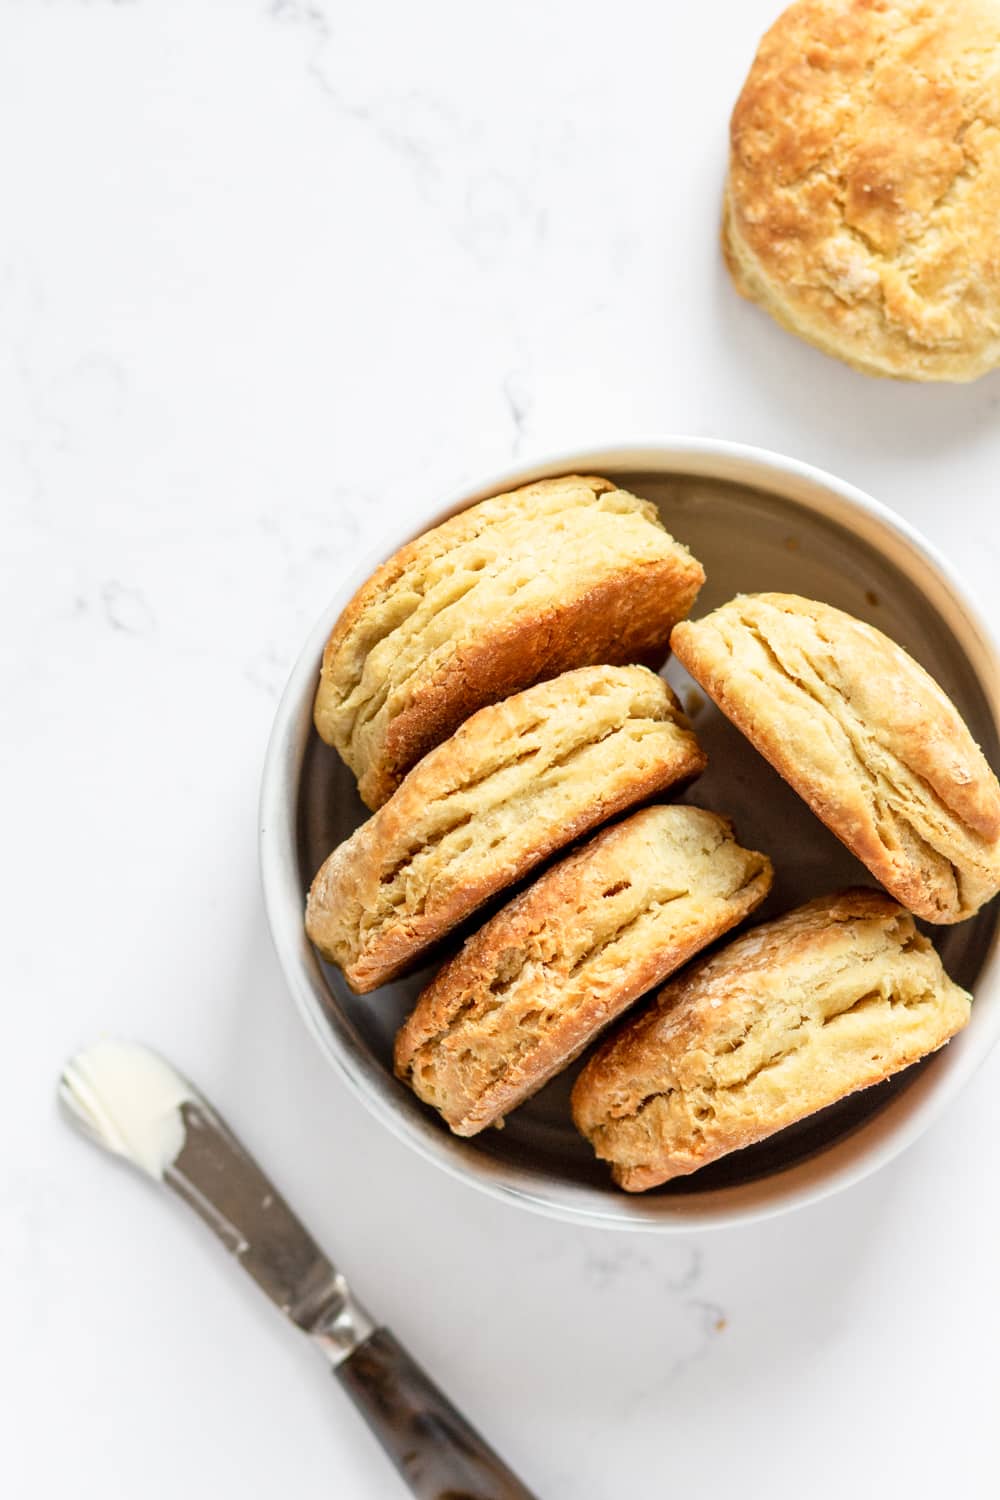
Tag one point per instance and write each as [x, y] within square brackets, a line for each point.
[861, 204]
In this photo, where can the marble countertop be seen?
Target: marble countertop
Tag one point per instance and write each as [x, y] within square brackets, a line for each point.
[271, 274]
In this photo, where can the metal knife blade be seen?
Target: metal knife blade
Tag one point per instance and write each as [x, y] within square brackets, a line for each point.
[226, 1188]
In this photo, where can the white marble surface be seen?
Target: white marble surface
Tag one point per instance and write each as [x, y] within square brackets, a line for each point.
[268, 274]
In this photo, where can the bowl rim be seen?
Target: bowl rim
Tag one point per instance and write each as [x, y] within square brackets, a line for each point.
[848, 1159]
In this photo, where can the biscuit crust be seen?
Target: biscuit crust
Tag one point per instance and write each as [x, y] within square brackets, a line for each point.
[833, 997]
[536, 984]
[860, 208]
[865, 736]
[516, 782]
[560, 574]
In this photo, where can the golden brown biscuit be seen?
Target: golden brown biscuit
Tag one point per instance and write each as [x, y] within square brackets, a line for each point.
[787, 1019]
[518, 781]
[559, 574]
[865, 736]
[531, 988]
[861, 205]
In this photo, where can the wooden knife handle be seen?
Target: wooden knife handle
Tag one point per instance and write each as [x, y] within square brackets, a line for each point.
[436, 1451]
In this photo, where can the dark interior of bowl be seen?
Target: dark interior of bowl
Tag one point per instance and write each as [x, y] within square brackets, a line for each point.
[748, 541]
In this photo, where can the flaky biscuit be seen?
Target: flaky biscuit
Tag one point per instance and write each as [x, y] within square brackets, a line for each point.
[536, 984]
[865, 736]
[861, 203]
[784, 1021]
[560, 574]
[516, 782]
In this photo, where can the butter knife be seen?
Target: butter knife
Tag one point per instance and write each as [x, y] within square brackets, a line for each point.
[129, 1100]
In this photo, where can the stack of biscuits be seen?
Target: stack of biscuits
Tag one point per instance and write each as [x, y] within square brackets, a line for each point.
[493, 688]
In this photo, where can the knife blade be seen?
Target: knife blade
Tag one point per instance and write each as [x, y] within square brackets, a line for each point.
[224, 1185]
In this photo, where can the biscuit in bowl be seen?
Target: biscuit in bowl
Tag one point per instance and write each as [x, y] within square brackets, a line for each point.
[559, 574]
[530, 989]
[865, 736]
[861, 203]
[785, 1020]
[515, 783]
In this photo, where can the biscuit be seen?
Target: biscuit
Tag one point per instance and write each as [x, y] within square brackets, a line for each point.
[535, 985]
[861, 204]
[563, 573]
[865, 736]
[515, 783]
[789, 1018]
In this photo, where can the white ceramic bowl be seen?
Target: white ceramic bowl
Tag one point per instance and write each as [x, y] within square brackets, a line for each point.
[757, 521]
